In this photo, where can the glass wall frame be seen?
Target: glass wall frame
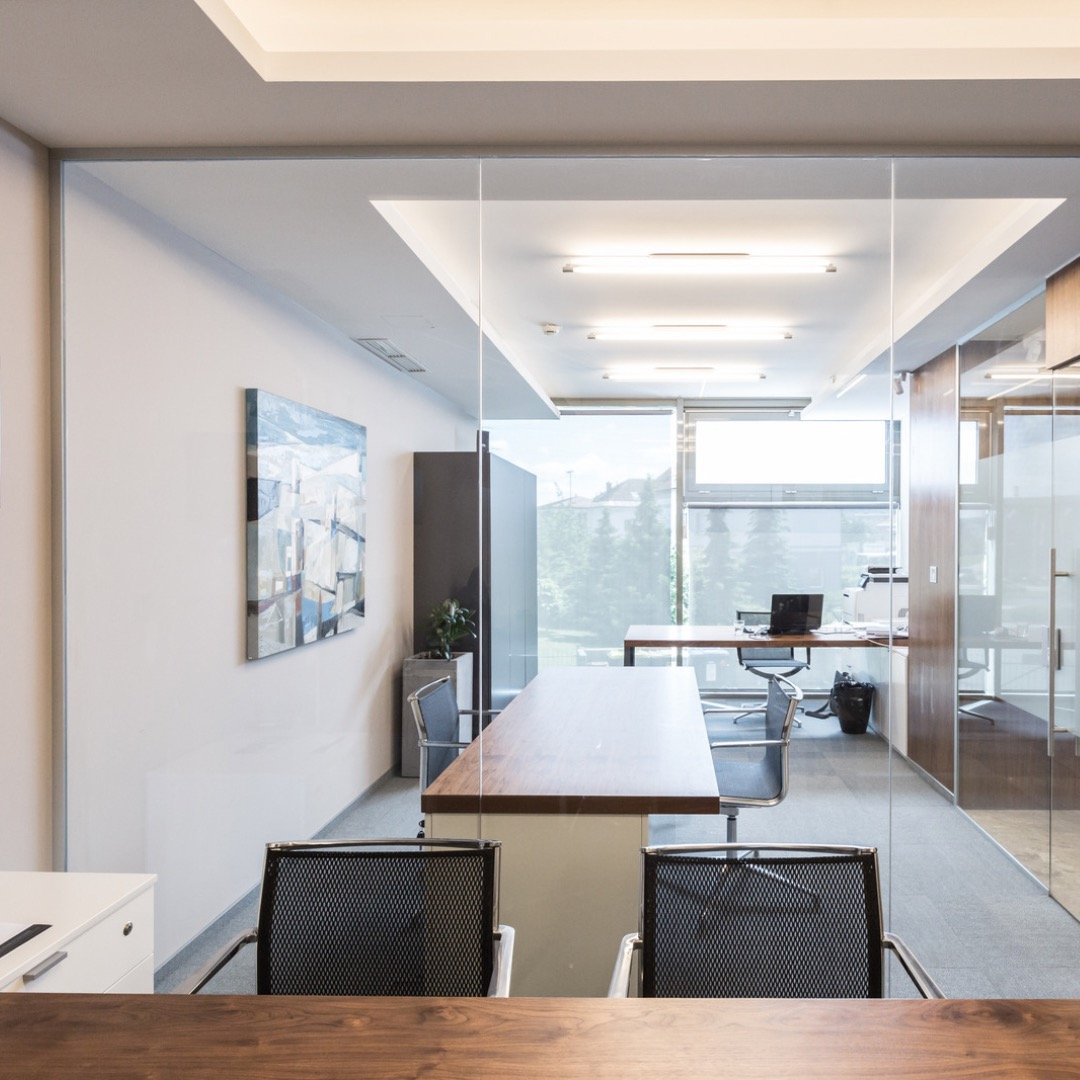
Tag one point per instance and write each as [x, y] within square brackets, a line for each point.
[474, 253]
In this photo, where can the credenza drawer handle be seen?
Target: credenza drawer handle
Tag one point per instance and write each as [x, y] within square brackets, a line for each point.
[128, 927]
[46, 965]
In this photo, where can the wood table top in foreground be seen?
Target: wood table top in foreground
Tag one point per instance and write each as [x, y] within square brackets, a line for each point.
[592, 740]
[703, 636]
[59, 1036]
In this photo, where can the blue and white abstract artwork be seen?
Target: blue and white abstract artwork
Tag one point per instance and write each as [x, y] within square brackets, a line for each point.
[306, 523]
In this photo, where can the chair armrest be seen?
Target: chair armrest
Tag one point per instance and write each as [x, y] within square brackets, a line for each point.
[504, 962]
[729, 744]
[916, 972]
[479, 712]
[620, 976]
[197, 981]
[432, 742]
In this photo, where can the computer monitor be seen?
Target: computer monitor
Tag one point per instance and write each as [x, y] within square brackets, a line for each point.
[795, 613]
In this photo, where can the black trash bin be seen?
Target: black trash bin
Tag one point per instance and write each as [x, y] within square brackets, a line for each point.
[851, 701]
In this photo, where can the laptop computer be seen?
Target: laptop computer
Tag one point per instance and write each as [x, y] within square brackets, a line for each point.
[795, 613]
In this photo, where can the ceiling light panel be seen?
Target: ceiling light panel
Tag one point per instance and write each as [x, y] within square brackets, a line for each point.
[667, 373]
[690, 332]
[699, 263]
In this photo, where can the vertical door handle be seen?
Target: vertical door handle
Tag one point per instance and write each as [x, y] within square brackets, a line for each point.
[1051, 654]
[1054, 650]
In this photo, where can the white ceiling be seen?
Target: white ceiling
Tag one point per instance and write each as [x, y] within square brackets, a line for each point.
[159, 73]
[393, 249]
[636, 40]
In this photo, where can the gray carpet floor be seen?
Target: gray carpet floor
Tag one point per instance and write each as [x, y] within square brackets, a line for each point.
[979, 923]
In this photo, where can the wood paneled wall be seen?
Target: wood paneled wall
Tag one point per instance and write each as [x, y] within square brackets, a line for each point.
[932, 605]
[1063, 315]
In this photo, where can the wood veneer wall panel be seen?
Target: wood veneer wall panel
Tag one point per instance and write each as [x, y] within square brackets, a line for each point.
[1063, 315]
[932, 606]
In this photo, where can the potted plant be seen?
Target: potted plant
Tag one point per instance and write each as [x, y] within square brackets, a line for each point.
[449, 623]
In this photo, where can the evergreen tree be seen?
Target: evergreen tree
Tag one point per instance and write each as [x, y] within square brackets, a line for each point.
[765, 563]
[604, 576]
[646, 560]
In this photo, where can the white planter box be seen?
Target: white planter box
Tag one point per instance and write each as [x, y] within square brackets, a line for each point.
[417, 671]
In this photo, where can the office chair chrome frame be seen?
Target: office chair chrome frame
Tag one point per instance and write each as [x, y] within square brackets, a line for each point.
[423, 741]
[502, 935]
[794, 695]
[631, 944]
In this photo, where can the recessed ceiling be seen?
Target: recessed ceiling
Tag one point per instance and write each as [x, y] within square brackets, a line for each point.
[637, 40]
[393, 249]
[159, 73]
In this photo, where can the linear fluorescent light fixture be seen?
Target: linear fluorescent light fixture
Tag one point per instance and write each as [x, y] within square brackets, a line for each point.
[1030, 374]
[683, 373]
[851, 384]
[699, 262]
[699, 332]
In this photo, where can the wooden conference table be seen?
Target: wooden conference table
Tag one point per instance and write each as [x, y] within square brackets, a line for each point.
[689, 636]
[566, 777]
[59, 1036]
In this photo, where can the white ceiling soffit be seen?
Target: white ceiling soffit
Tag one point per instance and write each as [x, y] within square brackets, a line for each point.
[839, 322]
[641, 41]
[392, 249]
[309, 230]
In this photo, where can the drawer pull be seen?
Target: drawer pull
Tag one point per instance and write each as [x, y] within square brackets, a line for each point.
[46, 965]
[128, 927]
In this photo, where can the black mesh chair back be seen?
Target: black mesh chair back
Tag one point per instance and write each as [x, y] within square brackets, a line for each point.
[769, 660]
[435, 711]
[775, 923]
[386, 918]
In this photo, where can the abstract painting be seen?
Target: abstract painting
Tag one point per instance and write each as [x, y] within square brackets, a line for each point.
[306, 523]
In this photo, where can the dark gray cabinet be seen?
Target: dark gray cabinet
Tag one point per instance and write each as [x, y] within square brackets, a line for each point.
[474, 538]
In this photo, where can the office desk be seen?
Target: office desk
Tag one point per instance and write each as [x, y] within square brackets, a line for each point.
[566, 777]
[689, 636]
[288, 1038]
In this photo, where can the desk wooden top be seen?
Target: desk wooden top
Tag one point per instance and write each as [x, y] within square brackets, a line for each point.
[59, 1036]
[725, 637]
[589, 740]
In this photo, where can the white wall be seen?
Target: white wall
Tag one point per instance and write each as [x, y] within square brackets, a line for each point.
[183, 757]
[25, 532]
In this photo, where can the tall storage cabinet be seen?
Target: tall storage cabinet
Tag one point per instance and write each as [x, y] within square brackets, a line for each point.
[474, 524]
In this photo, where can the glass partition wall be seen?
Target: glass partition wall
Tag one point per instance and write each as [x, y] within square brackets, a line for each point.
[713, 336]
[607, 394]
[992, 400]
[187, 283]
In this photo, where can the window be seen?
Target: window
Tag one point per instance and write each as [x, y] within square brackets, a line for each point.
[605, 526]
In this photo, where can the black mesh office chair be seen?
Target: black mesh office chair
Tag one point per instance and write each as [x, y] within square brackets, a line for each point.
[764, 661]
[764, 781]
[378, 917]
[769, 660]
[780, 920]
[437, 717]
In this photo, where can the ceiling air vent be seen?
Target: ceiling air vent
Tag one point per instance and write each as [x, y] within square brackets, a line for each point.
[386, 350]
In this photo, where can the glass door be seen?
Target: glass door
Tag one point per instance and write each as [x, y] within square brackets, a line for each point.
[1063, 571]
[1003, 591]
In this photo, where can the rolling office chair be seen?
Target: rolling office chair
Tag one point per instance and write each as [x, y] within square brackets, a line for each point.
[765, 662]
[763, 782]
[773, 659]
[378, 917]
[438, 729]
[779, 920]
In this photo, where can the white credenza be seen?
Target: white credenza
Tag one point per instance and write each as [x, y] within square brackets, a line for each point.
[100, 937]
